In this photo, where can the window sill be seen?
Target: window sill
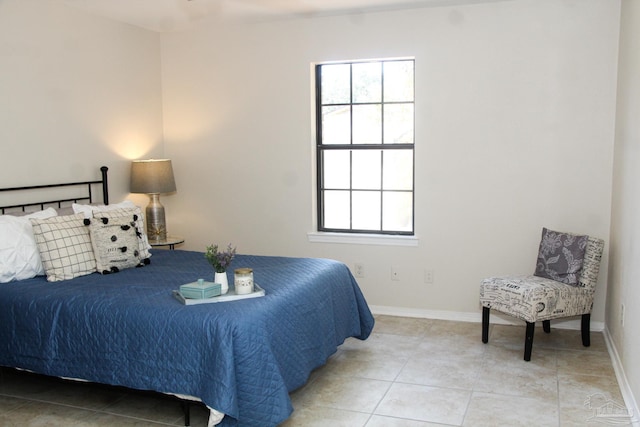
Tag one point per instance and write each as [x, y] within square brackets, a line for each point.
[362, 239]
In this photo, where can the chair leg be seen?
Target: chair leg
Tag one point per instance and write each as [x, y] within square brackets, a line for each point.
[585, 328]
[485, 324]
[528, 340]
[546, 326]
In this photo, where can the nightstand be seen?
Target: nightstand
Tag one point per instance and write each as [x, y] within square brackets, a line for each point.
[170, 241]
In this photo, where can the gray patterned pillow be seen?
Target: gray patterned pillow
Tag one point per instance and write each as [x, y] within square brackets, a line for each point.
[115, 244]
[560, 256]
[65, 246]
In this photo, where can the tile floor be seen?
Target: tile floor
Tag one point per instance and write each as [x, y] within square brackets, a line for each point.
[409, 373]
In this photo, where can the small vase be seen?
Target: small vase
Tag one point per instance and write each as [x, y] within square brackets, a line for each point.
[224, 282]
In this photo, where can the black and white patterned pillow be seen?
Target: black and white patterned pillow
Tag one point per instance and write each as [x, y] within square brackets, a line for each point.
[124, 208]
[136, 216]
[115, 244]
[561, 256]
[65, 246]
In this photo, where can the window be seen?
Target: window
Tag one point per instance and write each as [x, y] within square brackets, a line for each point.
[365, 147]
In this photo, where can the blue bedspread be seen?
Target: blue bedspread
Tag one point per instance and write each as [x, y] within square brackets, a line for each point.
[241, 358]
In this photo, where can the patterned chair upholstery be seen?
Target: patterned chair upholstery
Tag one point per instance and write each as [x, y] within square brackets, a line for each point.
[533, 298]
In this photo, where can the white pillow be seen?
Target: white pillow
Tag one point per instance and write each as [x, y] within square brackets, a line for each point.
[88, 210]
[65, 246]
[19, 255]
[119, 209]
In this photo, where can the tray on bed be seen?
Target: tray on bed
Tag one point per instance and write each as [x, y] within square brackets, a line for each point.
[229, 296]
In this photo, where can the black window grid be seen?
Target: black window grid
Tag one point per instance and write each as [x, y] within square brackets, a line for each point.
[321, 148]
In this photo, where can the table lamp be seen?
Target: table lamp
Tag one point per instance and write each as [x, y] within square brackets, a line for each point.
[153, 177]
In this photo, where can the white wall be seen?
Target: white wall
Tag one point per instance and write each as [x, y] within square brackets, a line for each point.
[76, 92]
[514, 127]
[515, 106]
[624, 268]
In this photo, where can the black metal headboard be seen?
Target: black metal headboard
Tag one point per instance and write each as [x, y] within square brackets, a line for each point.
[85, 187]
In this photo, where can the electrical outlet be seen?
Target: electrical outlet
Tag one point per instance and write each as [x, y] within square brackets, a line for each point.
[622, 315]
[358, 270]
[395, 275]
[428, 277]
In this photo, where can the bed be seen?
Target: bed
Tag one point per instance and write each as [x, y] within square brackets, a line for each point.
[240, 358]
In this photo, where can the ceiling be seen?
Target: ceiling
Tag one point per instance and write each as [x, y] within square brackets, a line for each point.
[178, 15]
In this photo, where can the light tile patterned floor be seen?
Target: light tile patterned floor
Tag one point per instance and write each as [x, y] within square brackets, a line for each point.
[409, 373]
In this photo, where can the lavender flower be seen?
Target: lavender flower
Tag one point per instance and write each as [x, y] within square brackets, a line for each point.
[220, 260]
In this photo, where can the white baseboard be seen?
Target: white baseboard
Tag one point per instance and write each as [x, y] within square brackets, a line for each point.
[473, 317]
[627, 394]
[426, 314]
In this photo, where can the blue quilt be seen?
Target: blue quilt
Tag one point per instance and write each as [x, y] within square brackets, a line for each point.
[241, 358]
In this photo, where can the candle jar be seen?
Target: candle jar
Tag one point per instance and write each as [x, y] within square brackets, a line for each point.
[243, 281]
